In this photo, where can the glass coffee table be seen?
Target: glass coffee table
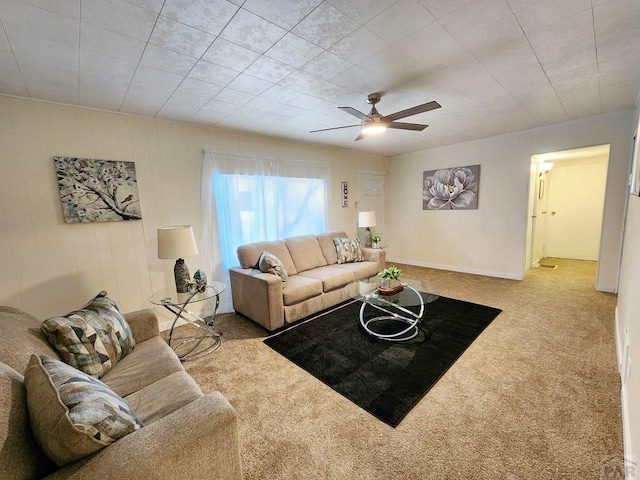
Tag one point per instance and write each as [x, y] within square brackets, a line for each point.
[400, 312]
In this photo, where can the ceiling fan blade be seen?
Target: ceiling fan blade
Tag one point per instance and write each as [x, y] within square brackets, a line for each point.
[425, 107]
[359, 137]
[333, 128]
[407, 126]
[355, 113]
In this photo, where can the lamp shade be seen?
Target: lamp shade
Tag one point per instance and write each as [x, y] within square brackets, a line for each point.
[176, 242]
[367, 219]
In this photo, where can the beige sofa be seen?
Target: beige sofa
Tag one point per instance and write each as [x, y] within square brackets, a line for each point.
[315, 280]
[185, 435]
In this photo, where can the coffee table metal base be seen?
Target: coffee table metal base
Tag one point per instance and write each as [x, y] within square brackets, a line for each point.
[407, 319]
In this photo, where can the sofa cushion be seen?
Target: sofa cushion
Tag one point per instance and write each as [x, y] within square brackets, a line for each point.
[269, 263]
[360, 269]
[163, 397]
[92, 339]
[325, 240]
[331, 276]
[73, 414]
[348, 250]
[305, 252]
[20, 455]
[249, 255]
[149, 362]
[300, 288]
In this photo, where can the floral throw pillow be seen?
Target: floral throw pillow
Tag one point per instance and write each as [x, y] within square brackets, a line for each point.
[92, 339]
[73, 414]
[348, 250]
[269, 263]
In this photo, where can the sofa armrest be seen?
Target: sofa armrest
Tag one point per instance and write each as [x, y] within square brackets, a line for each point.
[198, 441]
[257, 295]
[375, 255]
[144, 324]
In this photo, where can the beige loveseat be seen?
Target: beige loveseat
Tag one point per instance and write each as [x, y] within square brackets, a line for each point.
[185, 435]
[315, 281]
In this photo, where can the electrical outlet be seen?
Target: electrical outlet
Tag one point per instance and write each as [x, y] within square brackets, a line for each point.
[470, 258]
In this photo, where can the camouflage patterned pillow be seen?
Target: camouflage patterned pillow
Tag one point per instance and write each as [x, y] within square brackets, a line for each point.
[73, 414]
[348, 250]
[92, 339]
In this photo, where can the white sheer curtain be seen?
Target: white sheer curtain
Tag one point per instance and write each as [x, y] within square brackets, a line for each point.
[248, 198]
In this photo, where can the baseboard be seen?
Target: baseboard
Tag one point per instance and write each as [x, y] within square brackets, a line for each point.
[453, 268]
[630, 464]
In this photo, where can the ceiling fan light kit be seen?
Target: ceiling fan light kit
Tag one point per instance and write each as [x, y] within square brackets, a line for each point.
[375, 124]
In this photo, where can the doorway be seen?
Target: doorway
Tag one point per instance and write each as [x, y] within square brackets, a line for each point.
[371, 197]
[566, 202]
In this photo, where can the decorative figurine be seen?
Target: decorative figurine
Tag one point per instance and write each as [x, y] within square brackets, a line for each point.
[201, 280]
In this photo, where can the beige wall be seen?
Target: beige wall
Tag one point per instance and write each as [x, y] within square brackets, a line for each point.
[48, 267]
[492, 240]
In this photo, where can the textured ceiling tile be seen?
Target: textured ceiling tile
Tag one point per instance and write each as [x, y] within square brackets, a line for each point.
[154, 77]
[326, 65]
[100, 63]
[116, 45]
[19, 17]
[269, 69]
[193, 86]
[152, 5]
[252, 32]
[293, 50]
[280, 94]
[249, 84]
[208, 15]
[233, 97]
[617, 20]
[325, 26]
[498, 44]
[230, 55]
[11, 81]
[400, 20]
[564, 39]
[213, 112]
[263, 104]
[4, 42]
[120, 17]
[284, 13]
[546, 12]
[181, 106]
[392, 66]
[431, 46]
[474, 16]
[68, 8]
[145, 100]
[440, 8]
[50, 80]
[362, 10]
[359, 45]
[358, 80]
[208, 72]
[167, 60]
[179, 37]
[29, 47]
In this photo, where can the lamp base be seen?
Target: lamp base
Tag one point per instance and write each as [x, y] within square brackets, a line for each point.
[182, 276]
[367, 237]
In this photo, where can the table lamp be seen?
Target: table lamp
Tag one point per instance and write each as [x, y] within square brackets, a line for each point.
[366, 220]
[177, 242]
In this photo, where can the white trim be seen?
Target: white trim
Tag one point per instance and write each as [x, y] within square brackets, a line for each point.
[452, 268]
[626, 432]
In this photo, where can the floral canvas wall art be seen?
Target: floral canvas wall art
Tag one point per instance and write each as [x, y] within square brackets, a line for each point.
[451, 188]
[97, 190]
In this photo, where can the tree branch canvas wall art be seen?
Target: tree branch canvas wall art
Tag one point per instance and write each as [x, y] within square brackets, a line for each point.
[97, 190]
[451, 188]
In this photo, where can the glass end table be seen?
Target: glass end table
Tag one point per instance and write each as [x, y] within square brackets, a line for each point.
[397, 321]
[206, 339]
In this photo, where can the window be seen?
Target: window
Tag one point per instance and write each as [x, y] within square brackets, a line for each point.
[248, 199]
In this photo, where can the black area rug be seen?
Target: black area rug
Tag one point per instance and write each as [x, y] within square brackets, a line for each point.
[385, 378]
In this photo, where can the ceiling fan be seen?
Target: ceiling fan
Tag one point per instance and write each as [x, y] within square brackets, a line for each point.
[375, 123]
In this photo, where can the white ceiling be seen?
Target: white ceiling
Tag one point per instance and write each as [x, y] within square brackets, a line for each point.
[282, 67]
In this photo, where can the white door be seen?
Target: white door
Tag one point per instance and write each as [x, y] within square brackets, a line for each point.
[371, 187]
[540, 213]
